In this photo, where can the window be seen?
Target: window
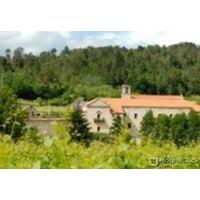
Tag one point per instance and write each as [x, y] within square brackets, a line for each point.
[124, 114]
[98, 128]
[129, 125]
[171, 115]
[135, 115]
[98, 115]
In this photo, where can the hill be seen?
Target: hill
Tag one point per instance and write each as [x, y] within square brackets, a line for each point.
[92, 72]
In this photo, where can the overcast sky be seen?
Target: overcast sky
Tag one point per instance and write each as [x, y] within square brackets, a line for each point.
[40, 41]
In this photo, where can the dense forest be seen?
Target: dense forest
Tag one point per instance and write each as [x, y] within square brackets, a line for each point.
[99, 71]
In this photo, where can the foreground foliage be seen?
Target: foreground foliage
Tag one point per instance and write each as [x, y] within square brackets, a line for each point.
[56, 151]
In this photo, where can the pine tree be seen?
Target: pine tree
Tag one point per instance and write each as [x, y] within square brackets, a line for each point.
[79, 130]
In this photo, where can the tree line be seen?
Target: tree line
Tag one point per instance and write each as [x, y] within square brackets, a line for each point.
[182, 129]
[100, 71]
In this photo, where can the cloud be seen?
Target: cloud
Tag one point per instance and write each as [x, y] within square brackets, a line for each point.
[43, 40]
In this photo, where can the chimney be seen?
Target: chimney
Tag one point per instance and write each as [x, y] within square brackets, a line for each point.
[126, 91]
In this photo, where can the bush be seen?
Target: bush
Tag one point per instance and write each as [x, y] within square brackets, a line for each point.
[102, 137]
[33, 136]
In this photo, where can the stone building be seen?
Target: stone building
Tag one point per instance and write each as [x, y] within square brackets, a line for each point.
[101, 111]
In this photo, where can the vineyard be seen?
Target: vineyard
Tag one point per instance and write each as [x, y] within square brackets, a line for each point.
[56, 151]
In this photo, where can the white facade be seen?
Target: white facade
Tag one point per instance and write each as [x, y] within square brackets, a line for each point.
[99, 110]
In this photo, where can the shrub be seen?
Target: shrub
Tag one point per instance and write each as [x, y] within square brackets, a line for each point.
[102, 137]
[34, 136]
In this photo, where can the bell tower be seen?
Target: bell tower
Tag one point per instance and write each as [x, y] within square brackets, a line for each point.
[126, 91]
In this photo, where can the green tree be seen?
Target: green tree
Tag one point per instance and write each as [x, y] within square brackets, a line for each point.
[8, 59]
[18, 58]
[12, 117]
[193, 126]
[53, 51]
[179, 129]
[148, 124]
[79, 130]
[8, 55]
[65, 51]
[162, 127]
[117, 125]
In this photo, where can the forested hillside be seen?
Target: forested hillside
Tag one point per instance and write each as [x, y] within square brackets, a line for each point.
[92, 72]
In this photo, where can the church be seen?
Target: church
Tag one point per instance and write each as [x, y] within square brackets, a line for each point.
[132, 108]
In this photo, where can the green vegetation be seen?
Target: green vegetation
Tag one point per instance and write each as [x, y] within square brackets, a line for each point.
[79, 130]
[12, 117]
[181, 129]
[147, 124]
[99, 72]
[57, 151]
[117, 126]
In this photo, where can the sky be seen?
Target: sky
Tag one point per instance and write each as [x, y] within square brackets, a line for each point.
[38, 41]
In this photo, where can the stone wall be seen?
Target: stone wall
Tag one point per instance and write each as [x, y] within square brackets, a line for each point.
[44, 125]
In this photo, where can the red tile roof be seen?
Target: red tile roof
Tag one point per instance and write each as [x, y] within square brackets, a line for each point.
[151, 101]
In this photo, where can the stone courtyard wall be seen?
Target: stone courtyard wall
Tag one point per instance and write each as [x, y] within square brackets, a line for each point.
[44, 125]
